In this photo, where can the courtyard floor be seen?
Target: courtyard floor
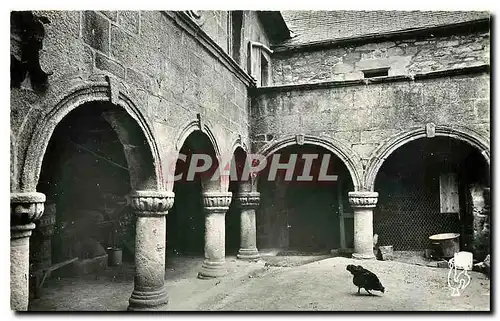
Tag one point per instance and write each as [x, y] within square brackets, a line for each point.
[282, 283]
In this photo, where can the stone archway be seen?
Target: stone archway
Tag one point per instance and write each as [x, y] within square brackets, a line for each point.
[428, 184]
[149, 203]
[240, 220]
[95, 158]
[13, 163]
[233, 216]
[94, 92]
[348, 157]
[202, 199]
[430, 130]
[331, 225]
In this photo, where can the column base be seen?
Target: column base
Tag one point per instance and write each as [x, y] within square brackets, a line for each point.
[248, 254]
[156, 300]
[210, 270]
[364, 256]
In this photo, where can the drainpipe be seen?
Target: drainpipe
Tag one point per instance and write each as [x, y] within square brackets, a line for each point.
[251, 45]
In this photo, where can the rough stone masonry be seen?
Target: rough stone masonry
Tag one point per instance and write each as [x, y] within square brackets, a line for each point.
[240, 82]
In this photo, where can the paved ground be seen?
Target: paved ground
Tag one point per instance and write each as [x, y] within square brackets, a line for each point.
[275, 283]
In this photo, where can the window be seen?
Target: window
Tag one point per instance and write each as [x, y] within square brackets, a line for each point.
[264, 71]
[379, 72]
[236, 25]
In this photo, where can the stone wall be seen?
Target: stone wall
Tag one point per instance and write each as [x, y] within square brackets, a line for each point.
[363, 116]
[254, 31]
[404, 57]
[165, 70]
[215, 24]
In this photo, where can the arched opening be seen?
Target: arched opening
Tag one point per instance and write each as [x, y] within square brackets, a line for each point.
[186, 219]
[233, 215]
[302, 214]
[96, 155]
[426, 187]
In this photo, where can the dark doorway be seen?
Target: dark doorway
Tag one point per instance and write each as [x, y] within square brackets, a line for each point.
[85, 175]
[186, 219]
[304, 215]
[416, 198]
[233, 216]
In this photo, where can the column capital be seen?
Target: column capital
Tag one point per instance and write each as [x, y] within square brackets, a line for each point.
[26, 207]
[217, 201]
[152, 203]
[248, 199]
[363, 199]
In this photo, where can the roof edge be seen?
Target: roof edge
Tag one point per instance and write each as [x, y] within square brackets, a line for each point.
[275, 25]
[404, 33]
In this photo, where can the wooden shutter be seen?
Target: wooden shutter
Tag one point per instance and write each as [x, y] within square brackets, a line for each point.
[448, 193]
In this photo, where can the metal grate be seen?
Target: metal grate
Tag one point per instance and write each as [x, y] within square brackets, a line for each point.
[406, 220]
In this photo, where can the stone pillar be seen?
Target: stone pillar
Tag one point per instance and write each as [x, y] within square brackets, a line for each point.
[478, 204]
[487, 205]
[363, 204]
[215, 204]
[41, 247]
[480, 211]
[248, 201]
[150, 207]
[24, 209]
[45, 231]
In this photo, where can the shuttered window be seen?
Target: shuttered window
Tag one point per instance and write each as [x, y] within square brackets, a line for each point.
[448, 190]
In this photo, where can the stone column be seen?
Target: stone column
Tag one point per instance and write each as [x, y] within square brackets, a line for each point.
[363, 204]
[24, 209]
[480, 223]
[248, 201]
[41, 247]
[478, 204]
[45, 231]
[215, 204]
[150, 207]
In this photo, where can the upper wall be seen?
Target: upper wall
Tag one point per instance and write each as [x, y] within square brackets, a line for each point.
[364, 116]
[161, 63]
[404, 57]
[253, 31]
[217, 25]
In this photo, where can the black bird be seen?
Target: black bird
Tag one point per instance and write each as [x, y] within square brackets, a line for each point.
[365, 279]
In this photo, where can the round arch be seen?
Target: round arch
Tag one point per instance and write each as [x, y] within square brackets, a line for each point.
[181, 138]
[349, 157]
[75, 97]
[238, 142]
[189, 128]
[386, 149]
[13, 163]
